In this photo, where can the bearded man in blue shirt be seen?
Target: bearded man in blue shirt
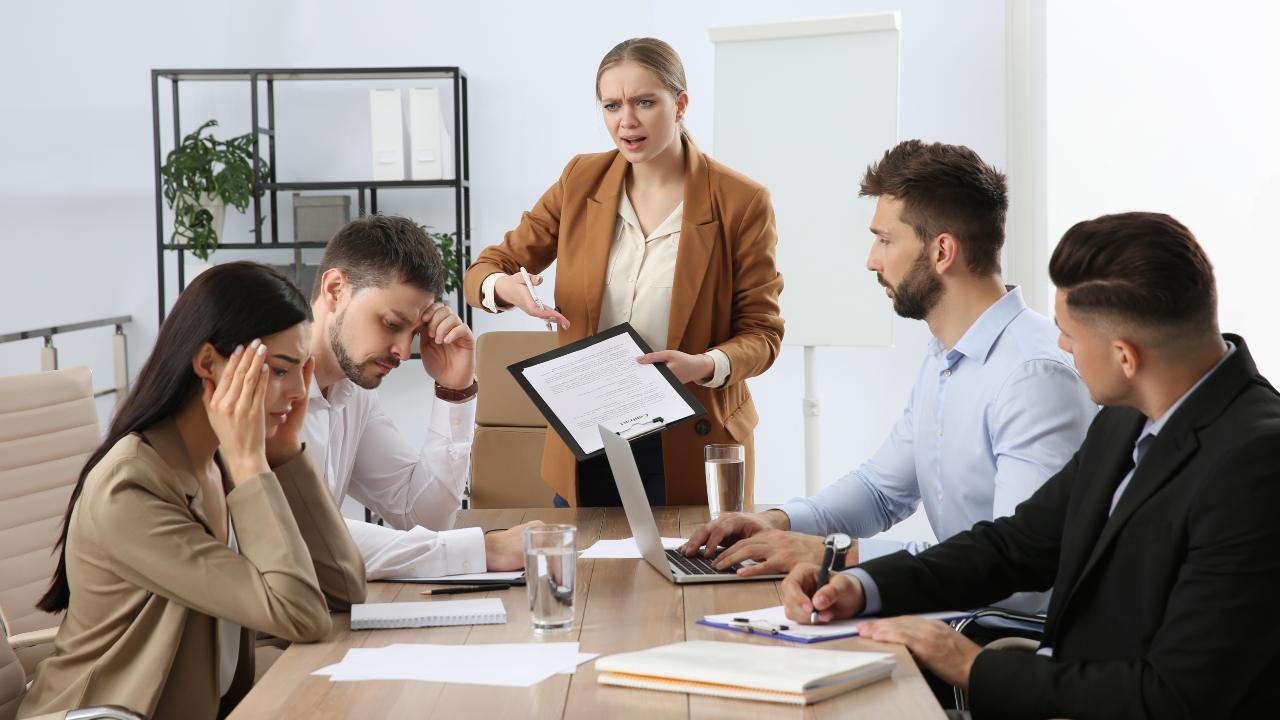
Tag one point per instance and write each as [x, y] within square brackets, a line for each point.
[996, 409]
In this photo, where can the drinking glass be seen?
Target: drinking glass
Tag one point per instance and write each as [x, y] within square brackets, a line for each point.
[550, 562]
[726, 478]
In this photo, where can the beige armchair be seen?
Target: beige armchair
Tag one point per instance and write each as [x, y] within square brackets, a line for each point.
[48, 428]
[506, 456]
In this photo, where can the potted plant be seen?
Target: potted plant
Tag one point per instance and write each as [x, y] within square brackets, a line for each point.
[444, 241]
[201, 177]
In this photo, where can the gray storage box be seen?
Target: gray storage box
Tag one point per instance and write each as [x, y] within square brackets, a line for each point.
[317, 218]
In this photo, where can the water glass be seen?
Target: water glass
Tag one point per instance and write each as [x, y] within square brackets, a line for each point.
[726, 467]
[550, 565]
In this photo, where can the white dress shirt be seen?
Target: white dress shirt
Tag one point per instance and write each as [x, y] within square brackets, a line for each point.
[638, 282]
[417, 492]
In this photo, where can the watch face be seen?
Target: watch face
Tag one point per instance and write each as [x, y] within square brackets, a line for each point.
[840, 542]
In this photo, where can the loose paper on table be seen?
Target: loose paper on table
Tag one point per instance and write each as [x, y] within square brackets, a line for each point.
[624, 549]
[597, 381]
[508, 664]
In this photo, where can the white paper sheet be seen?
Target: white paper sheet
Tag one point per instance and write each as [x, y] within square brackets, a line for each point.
[603, 384]
[509, 664]
[486, 576]
[778, 616]
[625, 549]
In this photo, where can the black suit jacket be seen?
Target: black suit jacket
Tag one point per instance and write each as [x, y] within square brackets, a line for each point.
[1168, 607]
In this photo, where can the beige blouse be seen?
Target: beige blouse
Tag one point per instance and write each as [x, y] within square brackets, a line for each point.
[638, 282]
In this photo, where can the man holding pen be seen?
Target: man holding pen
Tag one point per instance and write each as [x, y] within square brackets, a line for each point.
[1159, 536]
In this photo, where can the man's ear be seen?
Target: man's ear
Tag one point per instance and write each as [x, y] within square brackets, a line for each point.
[1128, 355]
[333, 283]
[207, 363]
[945, 252]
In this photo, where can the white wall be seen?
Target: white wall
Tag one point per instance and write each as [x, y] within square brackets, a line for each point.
[76, 194]
[1173, 107]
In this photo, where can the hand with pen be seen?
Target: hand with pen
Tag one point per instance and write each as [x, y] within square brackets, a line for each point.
[517, 289]
[933, 644]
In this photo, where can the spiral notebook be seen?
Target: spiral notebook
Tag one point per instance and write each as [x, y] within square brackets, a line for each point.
[384, 616]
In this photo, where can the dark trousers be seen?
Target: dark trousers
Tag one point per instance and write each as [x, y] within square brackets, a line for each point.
[597, 488]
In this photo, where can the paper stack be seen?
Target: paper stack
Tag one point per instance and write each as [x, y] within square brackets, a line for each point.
[509, 665]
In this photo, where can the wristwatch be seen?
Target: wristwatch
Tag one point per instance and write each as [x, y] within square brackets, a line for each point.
[452, 395]
[840, 544]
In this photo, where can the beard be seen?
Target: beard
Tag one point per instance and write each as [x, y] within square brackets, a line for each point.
[918, 293]
[355, 371]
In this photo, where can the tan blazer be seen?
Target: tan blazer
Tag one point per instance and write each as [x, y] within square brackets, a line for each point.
[148, 580]
[724, 295]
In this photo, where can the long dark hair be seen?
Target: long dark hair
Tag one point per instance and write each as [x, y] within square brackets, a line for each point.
[226, 305]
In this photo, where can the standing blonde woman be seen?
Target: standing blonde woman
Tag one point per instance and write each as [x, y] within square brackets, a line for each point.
[658, 234]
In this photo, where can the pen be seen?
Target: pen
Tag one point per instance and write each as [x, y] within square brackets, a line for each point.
[750, 626]
[828, 554]
[459, 589]
[527, 283]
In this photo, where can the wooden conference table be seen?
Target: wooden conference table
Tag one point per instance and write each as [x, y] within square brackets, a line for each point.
[621, 605]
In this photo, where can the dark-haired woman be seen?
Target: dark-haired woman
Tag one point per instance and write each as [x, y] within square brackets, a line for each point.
[200, 519]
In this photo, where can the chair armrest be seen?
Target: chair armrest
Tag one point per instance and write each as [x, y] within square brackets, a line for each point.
[1002, 619]
[33, 638]
[103, 712]
[1013, 643]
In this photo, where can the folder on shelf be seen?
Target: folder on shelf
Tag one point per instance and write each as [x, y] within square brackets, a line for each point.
[387, 124]
[430, 147]
[769, 673]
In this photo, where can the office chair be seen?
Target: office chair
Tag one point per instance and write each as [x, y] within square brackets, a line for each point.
[48, 428]
[13, 687]
[1013, 631]
[506, 455]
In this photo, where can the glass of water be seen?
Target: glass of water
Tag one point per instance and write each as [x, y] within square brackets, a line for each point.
[726, 478]
[550, 565]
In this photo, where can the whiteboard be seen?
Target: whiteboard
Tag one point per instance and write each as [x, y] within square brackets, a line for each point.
[803, 108]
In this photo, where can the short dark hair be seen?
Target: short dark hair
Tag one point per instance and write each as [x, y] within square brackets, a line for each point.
[1141, 268]
[946, 189]
[377, 250]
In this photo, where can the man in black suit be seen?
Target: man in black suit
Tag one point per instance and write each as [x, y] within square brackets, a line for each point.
[1160, 537]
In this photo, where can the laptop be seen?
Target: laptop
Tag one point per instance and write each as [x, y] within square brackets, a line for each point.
[669, 563]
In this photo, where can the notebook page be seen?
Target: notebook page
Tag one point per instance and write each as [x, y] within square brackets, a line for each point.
[481, 611]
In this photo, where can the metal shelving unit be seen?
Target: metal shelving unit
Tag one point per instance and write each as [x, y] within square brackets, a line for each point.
[261, 88]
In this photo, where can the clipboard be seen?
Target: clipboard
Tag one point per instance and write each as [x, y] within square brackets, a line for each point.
[631, 433]
[777, 634]
[765, 627]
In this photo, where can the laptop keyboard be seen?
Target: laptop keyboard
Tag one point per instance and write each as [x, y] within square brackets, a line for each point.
[696, 565]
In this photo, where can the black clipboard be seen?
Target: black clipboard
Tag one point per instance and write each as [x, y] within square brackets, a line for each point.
[517, 371]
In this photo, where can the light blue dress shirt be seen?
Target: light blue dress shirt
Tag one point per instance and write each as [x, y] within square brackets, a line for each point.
[987, 422]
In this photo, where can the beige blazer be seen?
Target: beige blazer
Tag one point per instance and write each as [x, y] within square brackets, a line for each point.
[724, 295]
[148, 580]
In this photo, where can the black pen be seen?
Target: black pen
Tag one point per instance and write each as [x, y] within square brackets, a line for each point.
[828, 554]
[459, 589]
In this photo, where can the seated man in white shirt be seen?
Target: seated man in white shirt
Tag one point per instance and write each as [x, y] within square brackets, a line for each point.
[376, 289]
[997, 406]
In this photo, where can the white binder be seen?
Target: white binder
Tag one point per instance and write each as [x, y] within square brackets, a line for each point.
[431, 148]
[387, 123]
